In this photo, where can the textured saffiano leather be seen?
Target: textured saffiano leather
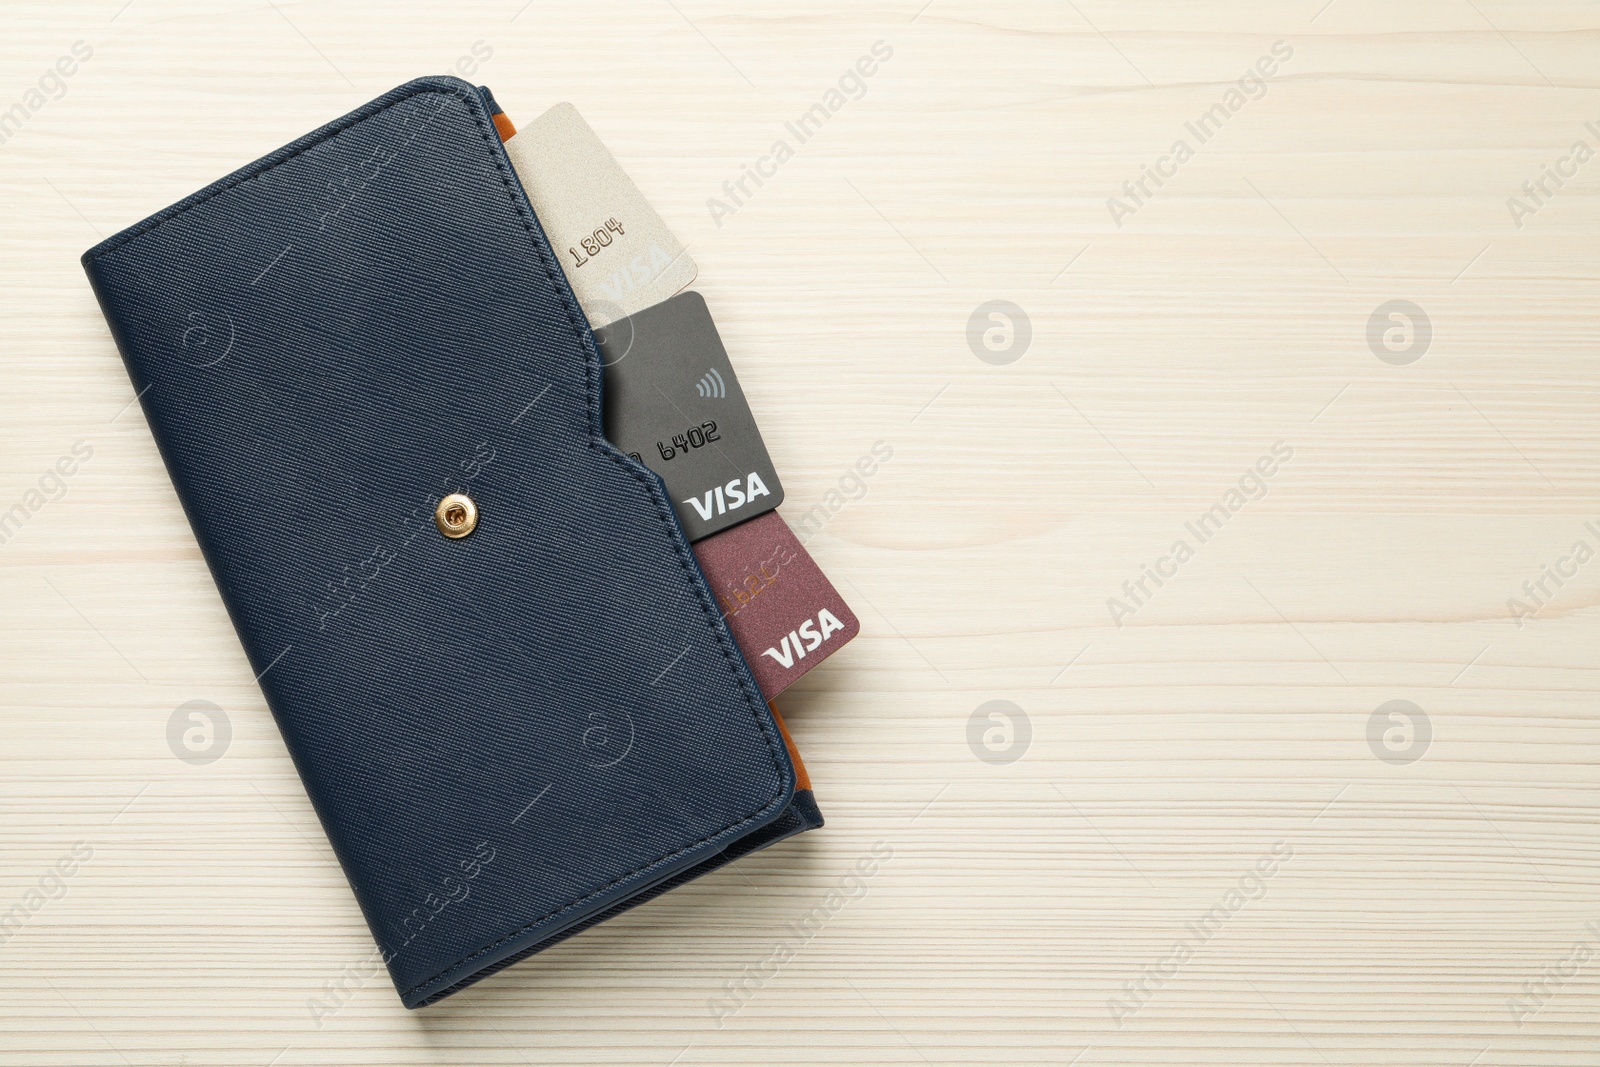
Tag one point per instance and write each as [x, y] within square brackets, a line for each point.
[507, 737]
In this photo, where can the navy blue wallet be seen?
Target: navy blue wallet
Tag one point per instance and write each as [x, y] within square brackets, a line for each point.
[510, 735]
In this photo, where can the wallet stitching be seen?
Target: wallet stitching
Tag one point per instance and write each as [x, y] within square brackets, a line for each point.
[590, 369]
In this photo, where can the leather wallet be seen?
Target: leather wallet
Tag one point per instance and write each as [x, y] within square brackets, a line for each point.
[509, 735]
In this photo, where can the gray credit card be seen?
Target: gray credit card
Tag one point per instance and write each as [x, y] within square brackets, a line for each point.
[673, 402]
[619, 257]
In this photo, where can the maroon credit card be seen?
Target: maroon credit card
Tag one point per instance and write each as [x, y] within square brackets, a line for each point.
[784, 613]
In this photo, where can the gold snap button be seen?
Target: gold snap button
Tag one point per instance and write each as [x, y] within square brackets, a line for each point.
[456, 515]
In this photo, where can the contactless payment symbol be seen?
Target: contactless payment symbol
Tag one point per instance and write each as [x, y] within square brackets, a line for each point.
[711, 386]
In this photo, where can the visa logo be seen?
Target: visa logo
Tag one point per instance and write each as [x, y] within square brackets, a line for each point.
[637, 273]
[731, 497]
[796, 643]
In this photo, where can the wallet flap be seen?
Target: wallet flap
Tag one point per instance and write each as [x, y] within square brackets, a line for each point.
[503, 734]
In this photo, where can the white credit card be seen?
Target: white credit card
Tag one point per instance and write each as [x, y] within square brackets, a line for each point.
[618, 255]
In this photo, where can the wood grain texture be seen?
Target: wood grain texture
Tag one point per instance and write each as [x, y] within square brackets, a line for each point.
[1170, 748]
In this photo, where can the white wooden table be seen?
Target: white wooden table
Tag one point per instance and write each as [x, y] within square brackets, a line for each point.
[1072, 882]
